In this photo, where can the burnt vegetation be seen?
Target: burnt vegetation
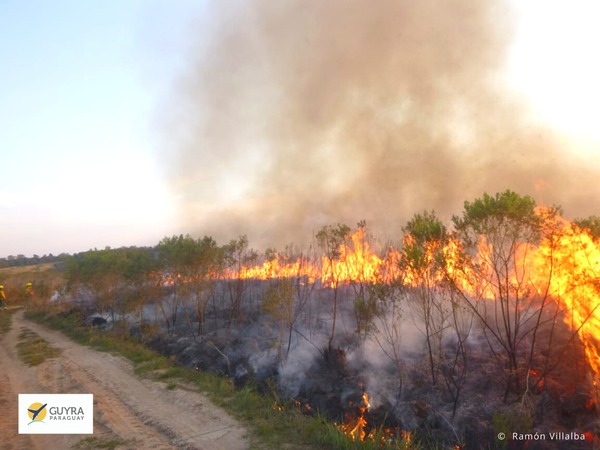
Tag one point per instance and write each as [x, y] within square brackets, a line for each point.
[444, 339]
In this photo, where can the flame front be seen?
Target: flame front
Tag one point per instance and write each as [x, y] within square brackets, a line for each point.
[574, 283]
[565, 267]
[277, 268]
[356, 263]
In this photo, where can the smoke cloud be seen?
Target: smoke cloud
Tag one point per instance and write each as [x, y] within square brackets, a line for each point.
[297, 114]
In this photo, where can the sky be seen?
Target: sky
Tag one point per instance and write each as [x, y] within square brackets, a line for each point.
[81, 83]
[553, 66]
[99, 107]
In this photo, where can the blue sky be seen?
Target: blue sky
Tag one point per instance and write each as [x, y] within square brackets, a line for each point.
[82, 83]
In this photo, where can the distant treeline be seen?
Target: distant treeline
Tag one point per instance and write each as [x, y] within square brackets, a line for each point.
[22, 260]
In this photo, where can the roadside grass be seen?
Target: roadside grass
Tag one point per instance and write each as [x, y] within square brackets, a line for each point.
[6, 320]
[33, 349]
[271, 428]
[46, 279]
[93, 443]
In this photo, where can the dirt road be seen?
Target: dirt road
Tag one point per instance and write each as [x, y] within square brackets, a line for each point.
[133, 412]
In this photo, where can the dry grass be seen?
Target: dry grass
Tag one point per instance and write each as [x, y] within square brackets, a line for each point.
[31, 269]
[46, 279]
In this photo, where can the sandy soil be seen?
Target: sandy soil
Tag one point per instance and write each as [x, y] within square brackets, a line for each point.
[141, 413]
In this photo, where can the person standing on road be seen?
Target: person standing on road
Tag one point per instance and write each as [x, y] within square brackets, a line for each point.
[2, 298]
[28, 293]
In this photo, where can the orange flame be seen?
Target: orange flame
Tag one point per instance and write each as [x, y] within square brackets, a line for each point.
[574, 282]
[565, 267]
[356, 263]
[276, 268]
[356, 428]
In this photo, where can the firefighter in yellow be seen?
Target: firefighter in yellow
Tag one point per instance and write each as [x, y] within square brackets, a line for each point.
[28, 293]
[2, 298]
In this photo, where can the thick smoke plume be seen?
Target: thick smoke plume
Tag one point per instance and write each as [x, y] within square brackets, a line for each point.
[297, 114]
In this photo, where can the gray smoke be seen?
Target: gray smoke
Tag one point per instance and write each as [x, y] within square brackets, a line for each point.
[297, 114]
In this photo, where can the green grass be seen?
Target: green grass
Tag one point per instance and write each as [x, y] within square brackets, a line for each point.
[6, 320]
[93, 443]
[270, 428]
[33, 349]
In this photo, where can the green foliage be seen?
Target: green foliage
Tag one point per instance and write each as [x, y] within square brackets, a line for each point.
[365, 309]
[118, 278]
[331, 237]
[422, 259]
[278, 301]
[176, 252]
[137, 264]
[508, 224]
[507, 213]
[237, 253]
[185, 255]
[591, 224]
[426, 227]
[422, 251]
[507, 205]
[99, 268]
[22, 260]
[271, 254]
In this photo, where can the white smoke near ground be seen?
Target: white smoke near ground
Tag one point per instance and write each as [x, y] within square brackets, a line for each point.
[292, 115]
[296, 367]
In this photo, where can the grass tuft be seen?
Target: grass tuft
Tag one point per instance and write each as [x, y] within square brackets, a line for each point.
[33, 349]
[94, 443]
[6, 320]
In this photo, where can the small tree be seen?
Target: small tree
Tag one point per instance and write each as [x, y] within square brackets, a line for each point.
[207, 266]
[288, 297]
[422, 261]
[388, 324]
[278, 303]
[331, 239]
[176, 256]
[100, 272]
[498, 233]
[364, 268]
[591, 224]
[237, 255]
[138, 273]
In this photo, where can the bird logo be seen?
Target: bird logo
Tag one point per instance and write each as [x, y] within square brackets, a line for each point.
[36, 412]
